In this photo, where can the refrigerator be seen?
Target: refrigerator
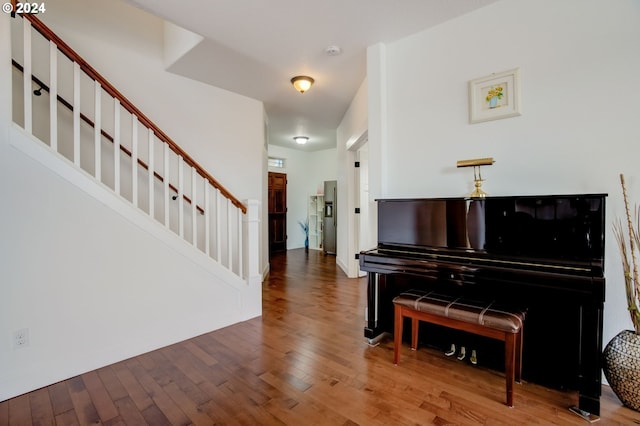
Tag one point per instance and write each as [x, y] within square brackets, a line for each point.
[330, 215]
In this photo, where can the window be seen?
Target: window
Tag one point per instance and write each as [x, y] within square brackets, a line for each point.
[276, 162]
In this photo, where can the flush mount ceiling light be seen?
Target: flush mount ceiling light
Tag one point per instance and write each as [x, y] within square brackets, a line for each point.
[301, 140]
[302, 83]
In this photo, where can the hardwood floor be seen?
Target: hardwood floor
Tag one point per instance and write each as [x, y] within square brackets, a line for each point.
[305, 362]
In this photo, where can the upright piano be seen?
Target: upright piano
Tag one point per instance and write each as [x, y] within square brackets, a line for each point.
[541, 253]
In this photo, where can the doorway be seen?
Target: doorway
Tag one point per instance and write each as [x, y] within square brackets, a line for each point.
[277, 212]
[363, 233]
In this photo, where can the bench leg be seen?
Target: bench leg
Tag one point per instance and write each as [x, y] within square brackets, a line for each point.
[397, 334]
[510, 364]
[518, 373]
[414, 334]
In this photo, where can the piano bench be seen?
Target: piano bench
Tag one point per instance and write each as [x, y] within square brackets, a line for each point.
[478, 317]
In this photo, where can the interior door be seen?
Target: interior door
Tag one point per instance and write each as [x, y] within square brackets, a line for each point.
[277, 212]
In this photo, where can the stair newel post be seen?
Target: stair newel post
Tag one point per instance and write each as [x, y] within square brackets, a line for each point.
[134, 160]
[166, 185]
[97, 127]
[194, 210]
[76, 114]
[26, 27]
[116, 146]
[53, 96]
[151, 167]
[251, 244]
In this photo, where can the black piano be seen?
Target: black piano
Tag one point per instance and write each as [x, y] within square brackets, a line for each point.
[541, 253]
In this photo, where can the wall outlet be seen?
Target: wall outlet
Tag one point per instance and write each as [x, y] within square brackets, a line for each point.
[21, 338]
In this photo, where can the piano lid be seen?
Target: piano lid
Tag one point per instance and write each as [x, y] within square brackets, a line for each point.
[560, 228]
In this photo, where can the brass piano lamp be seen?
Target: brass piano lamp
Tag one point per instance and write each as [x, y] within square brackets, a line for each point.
[477, 177]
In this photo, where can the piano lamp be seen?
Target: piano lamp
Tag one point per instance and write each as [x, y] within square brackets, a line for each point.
[477, 177]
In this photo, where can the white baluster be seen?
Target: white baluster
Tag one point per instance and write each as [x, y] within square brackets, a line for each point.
[53, 95]
[207, 218]
[26, 75]
[134, 160]
[229, 236]
[180, 196]
[218, 236]
[151, 175]
[240, 254]
[116, 145]
[97, 127]
[76, 113]
[167, 196]
[194, 210]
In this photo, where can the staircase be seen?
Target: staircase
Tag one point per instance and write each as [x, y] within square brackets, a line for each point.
[183, 261]
[83, 118]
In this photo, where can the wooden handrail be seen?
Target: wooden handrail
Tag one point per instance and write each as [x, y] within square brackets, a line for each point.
[106, 135]
[47, 33]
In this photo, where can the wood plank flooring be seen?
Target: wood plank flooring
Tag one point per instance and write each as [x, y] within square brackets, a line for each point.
[304, 362]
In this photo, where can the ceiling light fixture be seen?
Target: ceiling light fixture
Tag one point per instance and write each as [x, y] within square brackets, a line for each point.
[301, 140]
[302, 83]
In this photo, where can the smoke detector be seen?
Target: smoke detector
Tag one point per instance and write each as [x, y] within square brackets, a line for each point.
[333, 51]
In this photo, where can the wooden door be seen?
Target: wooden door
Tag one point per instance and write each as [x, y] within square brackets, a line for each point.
[277, 212]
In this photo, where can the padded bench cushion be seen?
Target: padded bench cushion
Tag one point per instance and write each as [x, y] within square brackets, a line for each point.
[486, 313]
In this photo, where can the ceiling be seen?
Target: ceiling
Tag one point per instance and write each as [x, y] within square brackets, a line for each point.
[254, 48]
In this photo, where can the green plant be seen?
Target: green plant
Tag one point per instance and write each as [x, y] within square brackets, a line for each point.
[629, 244]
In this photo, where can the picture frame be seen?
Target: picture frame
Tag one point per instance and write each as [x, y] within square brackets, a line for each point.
[495, 96]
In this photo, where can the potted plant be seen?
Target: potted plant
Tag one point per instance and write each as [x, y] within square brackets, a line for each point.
[621, 357]
[305, 228]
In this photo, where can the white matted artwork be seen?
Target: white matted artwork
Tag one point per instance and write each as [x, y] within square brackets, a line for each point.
[494, 96]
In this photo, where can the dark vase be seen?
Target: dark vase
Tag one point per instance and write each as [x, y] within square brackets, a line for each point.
[621, 366]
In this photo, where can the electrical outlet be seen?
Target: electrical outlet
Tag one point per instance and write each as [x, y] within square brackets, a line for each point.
[21, 338]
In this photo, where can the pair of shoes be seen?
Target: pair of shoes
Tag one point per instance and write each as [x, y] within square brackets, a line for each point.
[474, 357]
[451, 351]
[462, 354]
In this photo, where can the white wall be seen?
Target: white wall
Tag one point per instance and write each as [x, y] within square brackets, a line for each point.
[579, 128]
[306, 173]
[93, 281]
[352, 129]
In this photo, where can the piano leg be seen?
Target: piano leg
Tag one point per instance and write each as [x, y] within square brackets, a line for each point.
[372, 330]
[589, 382]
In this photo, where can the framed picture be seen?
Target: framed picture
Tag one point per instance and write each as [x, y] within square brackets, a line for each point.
[494, 96]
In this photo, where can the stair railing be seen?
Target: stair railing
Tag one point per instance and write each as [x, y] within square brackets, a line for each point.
[143, 175]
